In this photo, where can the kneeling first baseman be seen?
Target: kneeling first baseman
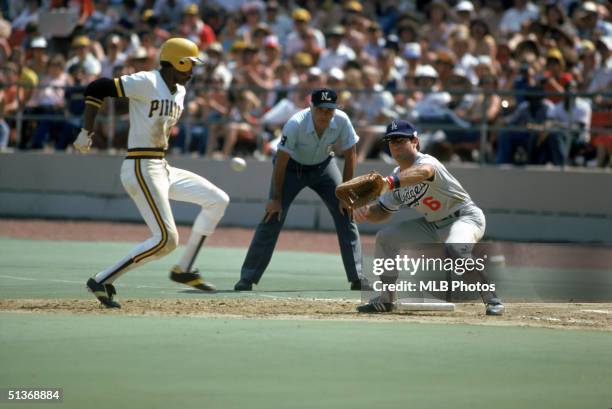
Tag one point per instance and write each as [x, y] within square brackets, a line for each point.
[156, 103]
[423, 183]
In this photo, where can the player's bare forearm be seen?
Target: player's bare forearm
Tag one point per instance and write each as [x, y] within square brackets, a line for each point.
[350, 162]
[280, 167]
[89, 117]
[414, 175]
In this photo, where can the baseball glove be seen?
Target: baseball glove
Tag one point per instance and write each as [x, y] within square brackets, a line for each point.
[361, 190]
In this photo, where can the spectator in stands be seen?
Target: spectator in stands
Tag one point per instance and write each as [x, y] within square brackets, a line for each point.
[602, 75]
[514, 18]
[572, 119]
[295, 42]
[29, 15]
[375, 40]
[337, 54]
[112, 123]
[5, 33]
[10, 97]
[483, 41]
[556, 76]
[531, 114]
[75, 106]
[243, 123]
[215, 65]
[259, 34]
[114, 55]
[169, 12]
[464, 12]
[444, 64]
[460, 46]
[49, 102]
[102, 19]
[412, 56]
[252, 18]
[437, 29]
[311, 45]
[390, 78]
[228, 35]
[39, 57]
[272, 53]
[431, 103]
[82, 55]
[206, 111]
[589, 23]
[278, 21]
[374, 110]
[193, 27]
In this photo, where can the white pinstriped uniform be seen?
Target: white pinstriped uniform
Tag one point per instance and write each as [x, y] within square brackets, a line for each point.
[150, 181]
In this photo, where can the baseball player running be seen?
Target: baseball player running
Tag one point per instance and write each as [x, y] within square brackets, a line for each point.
[156, 104]
[423, 183]
[305, 159]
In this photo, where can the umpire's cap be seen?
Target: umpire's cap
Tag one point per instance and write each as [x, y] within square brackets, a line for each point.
[399, 128]
[324, 98]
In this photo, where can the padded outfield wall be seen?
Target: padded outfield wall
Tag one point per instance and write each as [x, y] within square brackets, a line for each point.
[524, 204]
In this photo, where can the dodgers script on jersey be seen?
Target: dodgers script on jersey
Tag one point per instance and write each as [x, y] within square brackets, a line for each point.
[154, 110]
[435, 199]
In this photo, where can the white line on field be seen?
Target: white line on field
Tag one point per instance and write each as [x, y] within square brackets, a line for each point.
[53, 280]
[164, 290]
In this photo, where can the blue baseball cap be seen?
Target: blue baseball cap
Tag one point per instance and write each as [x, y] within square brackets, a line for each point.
[399, 128]
[324, 98]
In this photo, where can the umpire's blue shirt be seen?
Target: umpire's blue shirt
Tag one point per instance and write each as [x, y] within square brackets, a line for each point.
[301, 142]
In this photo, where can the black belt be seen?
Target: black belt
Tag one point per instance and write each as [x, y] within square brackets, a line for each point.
[146, 153]
[298, 167]
[453, 215]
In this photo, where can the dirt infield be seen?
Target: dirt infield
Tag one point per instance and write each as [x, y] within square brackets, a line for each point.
[569, 316]
[582, 316]
[136, 232]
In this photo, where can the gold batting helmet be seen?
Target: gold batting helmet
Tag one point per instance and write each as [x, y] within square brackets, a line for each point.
[181, 53]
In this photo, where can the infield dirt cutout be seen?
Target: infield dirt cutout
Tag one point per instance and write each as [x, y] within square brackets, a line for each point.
[571, 316]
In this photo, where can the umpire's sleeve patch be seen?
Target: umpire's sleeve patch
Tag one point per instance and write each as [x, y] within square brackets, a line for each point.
[283, 140]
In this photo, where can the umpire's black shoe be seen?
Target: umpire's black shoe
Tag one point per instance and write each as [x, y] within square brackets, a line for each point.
[361, 285]
[243, 285]
[192, 279]
[104, 293]
[374, 307]
[495, 307]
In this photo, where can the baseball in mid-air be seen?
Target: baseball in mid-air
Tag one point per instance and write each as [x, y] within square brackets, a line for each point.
[238, 164]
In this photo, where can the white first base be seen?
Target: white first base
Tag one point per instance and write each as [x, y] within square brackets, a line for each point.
[407, 304]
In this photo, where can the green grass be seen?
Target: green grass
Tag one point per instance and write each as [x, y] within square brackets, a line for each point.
[160, 362]
[105, 361]
[48, 269]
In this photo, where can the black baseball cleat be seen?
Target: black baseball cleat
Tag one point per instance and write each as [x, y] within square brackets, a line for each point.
[104, 293]
[243, 285]
[495, 307]
[361, 284]
[192, 279]
[375, 306]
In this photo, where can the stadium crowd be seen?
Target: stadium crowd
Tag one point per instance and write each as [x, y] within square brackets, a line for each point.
[463, 71]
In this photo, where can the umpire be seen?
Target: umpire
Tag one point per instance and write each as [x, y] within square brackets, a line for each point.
[305, 159]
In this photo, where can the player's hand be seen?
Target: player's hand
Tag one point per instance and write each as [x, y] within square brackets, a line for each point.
[360, 214]
[273, 207]
[345, 209]
[83, 141]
